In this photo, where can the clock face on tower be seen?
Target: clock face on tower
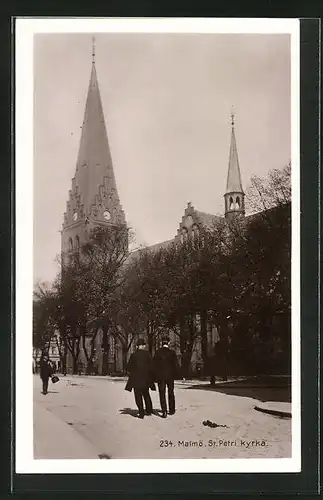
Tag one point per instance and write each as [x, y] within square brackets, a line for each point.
[75, 216]
[106, 215]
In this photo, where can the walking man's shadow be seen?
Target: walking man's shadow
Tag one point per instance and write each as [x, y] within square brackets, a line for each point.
[134, 413]
[129, 411]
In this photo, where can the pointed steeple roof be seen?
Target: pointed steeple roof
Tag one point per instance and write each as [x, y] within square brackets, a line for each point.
[94, 162]
[234, 184]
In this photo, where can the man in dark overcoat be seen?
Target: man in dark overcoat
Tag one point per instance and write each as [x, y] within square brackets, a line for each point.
[141, 378]
[45, 371]
[166, 369]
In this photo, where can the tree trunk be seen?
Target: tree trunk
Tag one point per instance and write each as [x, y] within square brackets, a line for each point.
[185, 348]
[86, 354]
[150, 338]
[124, 358]
[62, 334]
[105, 351]
[186, 364]
[60, 352]
[75, 367]
[74, 348]
[89, 356]
[64, 360]
[204, 339]
[105, 361]
[115, 355]
[89, 366]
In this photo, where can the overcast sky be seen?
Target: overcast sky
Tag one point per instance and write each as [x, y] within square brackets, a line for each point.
[167, 101]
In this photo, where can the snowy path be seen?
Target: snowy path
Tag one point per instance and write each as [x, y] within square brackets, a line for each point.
[101, 413]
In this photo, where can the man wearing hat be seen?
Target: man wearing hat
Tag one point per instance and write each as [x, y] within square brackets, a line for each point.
[45, 371]
[141, 378]
[165, 367]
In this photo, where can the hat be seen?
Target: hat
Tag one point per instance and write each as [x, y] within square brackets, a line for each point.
[141, 342]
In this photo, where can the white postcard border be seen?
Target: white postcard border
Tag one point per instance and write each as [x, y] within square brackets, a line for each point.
[25, 30]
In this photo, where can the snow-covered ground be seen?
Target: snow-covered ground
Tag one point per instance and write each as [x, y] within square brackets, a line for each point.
[97, 416]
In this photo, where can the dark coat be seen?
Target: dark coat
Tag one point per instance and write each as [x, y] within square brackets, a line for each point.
[45, 369]
[140, 368]
[165, 364]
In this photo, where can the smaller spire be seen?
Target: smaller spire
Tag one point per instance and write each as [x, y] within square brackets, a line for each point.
[234, 177]
[93, 49]
[234, 195]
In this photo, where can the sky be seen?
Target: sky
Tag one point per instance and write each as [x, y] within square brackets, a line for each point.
[167, 100]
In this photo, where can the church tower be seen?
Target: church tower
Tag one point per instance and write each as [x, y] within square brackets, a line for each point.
[93, 199]
[234, 195]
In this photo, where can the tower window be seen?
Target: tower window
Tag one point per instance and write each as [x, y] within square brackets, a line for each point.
[231, 204]
[70, 245]
[77, 242]
[237, 202]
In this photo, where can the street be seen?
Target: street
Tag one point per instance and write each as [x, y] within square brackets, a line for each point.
[94, 417]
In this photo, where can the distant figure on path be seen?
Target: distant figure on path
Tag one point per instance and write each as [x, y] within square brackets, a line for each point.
[45, 370]
[166, 368]
[141, 378]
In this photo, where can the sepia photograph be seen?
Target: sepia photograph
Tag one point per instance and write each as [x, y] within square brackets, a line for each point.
[162, 289]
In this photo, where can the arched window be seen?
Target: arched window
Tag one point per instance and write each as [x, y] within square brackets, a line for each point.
[237, 202]
[112, 346]
[77, 242]
[231, 204]
[70, 245]
[185, 235]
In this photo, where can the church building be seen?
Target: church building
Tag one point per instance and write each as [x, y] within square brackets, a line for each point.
[93, 201]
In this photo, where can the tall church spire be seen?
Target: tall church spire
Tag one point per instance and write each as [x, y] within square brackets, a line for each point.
[234, 195]
[94, 162]
[94, 196]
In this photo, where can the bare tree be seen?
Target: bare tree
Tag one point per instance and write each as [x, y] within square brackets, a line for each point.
[103, 258]
[68, 313]
[270, 191]
[43, 324]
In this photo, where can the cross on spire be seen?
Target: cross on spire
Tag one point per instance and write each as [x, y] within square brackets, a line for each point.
[232, 115]
[93, 49]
